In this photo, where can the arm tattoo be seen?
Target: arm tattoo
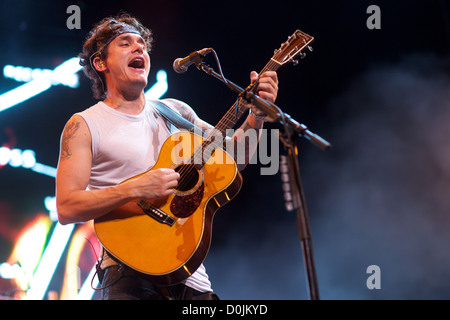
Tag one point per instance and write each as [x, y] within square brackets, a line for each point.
[69, 133]
[186, 113]
[189, 114]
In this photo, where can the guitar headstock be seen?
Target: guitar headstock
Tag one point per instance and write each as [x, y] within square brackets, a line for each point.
[294, 46]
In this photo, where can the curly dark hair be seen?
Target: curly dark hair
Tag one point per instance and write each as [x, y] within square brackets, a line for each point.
[97, 42]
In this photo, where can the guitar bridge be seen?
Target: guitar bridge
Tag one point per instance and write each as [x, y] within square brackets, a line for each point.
[156, 213]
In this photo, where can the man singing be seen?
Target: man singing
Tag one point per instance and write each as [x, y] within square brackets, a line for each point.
[120, 137]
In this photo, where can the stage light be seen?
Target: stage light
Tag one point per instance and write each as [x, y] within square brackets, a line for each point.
[50, 259]
[44, 169]
[86, 292]
[9, 72]
[23, 93]
[5, 155]
[50, 205]
[15, 159]
[8, 271]
[20, 74]
[40, 80]
[28, 159]
[63, 74]
[27, 252]
[159, 88]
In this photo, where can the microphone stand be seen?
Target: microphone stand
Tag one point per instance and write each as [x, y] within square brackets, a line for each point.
[293, 129]
[269, 108]
[299, 202]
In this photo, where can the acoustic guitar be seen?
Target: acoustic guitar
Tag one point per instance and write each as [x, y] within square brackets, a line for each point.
[168, 238]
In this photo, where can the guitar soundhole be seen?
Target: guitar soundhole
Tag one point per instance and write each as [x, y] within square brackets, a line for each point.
[189, 177]
[190, 191]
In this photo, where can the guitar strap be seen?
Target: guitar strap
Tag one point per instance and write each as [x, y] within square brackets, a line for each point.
[174, 118]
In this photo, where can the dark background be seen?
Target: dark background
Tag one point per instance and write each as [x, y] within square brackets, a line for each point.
[381, 97]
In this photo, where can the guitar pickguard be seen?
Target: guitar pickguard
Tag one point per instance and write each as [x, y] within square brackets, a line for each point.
[183, 206]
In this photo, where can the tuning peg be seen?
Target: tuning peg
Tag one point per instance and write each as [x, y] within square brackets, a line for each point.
[302, 55]
[310, 48]
[295, 62]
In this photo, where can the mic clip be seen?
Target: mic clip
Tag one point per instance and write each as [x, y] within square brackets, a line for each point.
[181, 65]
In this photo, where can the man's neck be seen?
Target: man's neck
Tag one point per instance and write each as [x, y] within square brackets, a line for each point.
[119, 103]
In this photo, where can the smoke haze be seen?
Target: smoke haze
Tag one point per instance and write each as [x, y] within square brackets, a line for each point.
[380, 197]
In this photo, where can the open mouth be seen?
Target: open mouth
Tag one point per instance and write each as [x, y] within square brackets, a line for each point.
[137, 63]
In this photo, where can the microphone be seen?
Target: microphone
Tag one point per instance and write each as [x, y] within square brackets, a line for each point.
[181, 65]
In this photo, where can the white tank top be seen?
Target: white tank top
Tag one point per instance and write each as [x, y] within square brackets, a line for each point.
[123, 146]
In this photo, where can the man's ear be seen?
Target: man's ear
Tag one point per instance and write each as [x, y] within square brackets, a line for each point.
[99, 64]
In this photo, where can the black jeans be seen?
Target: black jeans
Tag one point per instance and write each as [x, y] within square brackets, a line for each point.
[122, 283]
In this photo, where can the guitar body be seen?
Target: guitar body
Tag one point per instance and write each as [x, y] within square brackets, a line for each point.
[169, 238]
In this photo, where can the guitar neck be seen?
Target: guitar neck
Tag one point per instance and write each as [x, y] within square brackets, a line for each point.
[236, 111]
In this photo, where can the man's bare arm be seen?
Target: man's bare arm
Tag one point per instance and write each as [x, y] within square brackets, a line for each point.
[75, 203]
